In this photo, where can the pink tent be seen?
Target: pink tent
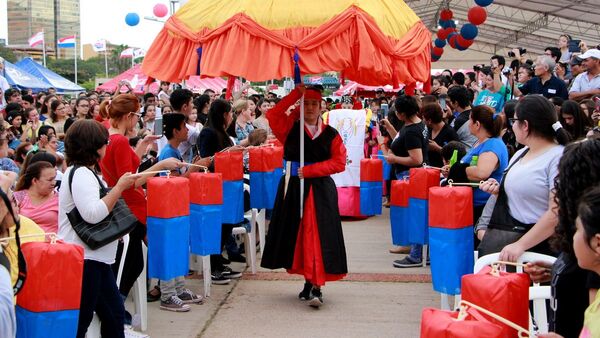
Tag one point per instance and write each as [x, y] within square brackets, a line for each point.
[138, 79]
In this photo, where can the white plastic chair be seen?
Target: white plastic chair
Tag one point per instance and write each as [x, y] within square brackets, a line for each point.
[198, 263]
[249, 241]
[261, 222]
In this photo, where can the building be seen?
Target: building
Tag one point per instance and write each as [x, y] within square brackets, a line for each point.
[58, 19]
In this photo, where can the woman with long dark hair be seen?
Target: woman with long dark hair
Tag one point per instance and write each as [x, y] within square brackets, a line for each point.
[526, 193]
[574, 119]
[213, 139]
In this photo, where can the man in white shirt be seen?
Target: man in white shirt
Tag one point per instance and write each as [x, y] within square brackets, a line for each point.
[587, 84]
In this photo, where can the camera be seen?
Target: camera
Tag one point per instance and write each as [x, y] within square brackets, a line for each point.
[521, 52]
[479, 67]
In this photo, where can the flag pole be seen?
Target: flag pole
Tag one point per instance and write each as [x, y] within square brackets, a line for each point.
[44, 46]
[105, 61]
[75, 54]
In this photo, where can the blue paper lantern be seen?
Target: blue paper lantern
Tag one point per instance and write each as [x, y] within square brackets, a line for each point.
[483, 3]
[469, 31]
[132, 19]
[439, 43]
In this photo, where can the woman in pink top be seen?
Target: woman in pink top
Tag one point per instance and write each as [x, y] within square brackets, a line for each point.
[36, 197]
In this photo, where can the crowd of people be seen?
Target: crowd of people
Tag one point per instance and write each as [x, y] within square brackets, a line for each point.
[527, 131]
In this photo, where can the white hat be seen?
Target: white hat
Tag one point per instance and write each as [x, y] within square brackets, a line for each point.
[594, 53]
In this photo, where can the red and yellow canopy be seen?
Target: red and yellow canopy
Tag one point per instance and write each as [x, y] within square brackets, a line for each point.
[373, 42]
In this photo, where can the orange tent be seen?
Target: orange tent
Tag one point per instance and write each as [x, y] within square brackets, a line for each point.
[373, 42]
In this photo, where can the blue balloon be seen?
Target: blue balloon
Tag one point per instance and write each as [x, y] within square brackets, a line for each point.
[443, 23]
[439, 43]
[483, 3]
[132, 19]
[452, 23]
[469, 31]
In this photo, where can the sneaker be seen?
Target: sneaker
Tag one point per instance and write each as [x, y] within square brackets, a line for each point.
[188, 297]
[236, 257]
[218, 278]
[228, 273]
[174, 304]
[305, 294]
[407, 262]
[316, 298]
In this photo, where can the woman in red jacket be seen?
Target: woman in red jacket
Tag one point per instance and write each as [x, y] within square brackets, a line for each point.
[312, 246]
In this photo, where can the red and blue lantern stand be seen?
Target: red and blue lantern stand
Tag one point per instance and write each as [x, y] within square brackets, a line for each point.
[48, 304]
[420, 180]
[206, 204]
[168, 227]
[230, 165]
[399, 212]
[371, 186]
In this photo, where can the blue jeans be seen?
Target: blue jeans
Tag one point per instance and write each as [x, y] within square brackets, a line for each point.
[416, 252]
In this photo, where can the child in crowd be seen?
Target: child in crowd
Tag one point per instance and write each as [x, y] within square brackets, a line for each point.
[174, 295]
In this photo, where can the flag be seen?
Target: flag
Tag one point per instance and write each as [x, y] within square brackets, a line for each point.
[127, 53]
[67, 42]
[36, 39]
[99, 46]
[138, 53]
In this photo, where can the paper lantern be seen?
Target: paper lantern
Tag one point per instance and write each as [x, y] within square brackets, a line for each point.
[399, 212]
[231, 166]
[441, 323]
[505, 294]
[450, 236]
[477, 15]
[48, 305]
[387, 168]
[206, 203]
[168, 227]
[442, 34]
[439, 43]
[446, 14]
[437, 51]
[132, 19]
[484, 3]
[421, 179]
[160, 10]
[469, 31]
[371, 186]
[261, 177]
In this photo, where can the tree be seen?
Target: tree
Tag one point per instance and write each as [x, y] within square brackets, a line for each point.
[7, 54]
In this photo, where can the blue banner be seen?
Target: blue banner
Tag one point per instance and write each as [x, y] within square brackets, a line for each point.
[418, 221]
[233, 202]
[398, 220]
[370, 198]
[168, 247]
[451, 253]
[52, 324]
[205, 229]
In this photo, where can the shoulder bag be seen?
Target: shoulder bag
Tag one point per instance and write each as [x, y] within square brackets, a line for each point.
[503, 229]
[119, 222]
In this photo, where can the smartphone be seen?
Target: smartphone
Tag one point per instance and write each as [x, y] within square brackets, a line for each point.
[385, 109]
[574, 46]
[442, 101]
[158, 127]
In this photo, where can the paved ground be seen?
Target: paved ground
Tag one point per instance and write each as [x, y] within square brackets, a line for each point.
[375, 300]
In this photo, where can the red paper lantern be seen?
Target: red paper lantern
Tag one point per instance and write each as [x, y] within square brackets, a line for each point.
[442, 34]
[438, 51]
[446, 14]
[477, 15]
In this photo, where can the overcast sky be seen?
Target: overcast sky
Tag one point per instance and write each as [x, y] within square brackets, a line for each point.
[106, 20]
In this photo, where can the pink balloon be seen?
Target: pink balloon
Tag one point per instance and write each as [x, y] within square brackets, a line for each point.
[160, 10]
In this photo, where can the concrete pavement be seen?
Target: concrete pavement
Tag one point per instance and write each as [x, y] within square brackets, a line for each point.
[375, 300]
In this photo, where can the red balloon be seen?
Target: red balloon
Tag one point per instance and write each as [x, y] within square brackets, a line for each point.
[464, 42]
[438, 51]
[442, 34]
[477, 15]
[452, 41]
[446, 14]
[449, 30]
